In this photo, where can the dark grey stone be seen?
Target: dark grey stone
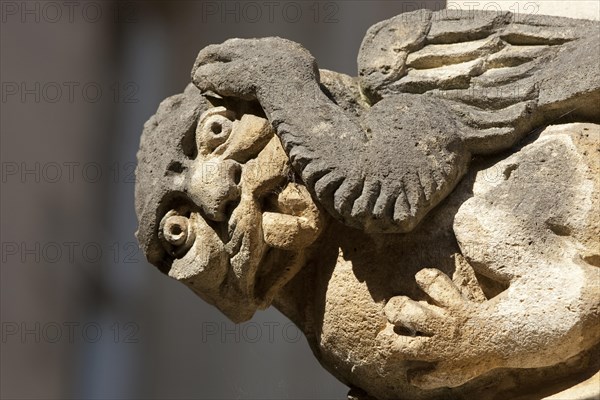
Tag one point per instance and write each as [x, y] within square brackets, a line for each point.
[381, 150]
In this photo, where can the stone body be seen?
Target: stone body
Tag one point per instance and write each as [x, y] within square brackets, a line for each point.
[423, 225]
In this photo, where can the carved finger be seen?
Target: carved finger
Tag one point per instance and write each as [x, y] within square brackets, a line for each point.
[440, 288]
[428, 182]
[414, 191]
[402, 207]
[384, 205]
[465, 278]
[347, 194]
[363, 206]
[314, 171]
[417, 318]
[327, 185]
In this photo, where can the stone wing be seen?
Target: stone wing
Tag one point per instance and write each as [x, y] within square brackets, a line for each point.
[496, 69]
[444, 86]
[434, 89]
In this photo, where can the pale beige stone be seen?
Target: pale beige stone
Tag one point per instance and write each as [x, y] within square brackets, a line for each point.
[525, 296]
[432, 240]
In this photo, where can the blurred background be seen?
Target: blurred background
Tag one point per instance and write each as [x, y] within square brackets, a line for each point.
[83, 315]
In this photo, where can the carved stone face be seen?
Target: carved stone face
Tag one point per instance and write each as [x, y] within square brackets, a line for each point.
[238, 233]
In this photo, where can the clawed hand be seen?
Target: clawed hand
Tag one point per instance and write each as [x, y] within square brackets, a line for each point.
[439, 333]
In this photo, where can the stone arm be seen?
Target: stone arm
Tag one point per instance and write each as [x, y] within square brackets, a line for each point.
[382, 172]
[539, 321]
[535, 230]
[442, 87]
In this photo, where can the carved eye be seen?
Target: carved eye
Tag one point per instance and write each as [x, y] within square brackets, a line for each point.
[213, 132]
[176, 233]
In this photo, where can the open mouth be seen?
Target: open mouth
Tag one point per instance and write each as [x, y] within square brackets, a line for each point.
[231, 238]
[185, 227]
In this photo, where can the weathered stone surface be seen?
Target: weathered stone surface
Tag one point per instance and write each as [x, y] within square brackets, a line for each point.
[423, 250]
[414, 53]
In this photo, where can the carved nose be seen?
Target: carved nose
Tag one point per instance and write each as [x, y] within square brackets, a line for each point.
[215, 188]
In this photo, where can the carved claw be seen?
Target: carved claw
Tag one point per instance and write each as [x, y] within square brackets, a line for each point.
[223, 70]
[243, 67]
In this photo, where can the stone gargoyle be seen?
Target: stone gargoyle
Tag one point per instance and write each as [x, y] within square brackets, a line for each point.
[432, 226]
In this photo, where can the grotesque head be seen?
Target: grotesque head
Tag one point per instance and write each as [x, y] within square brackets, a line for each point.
[218, 206]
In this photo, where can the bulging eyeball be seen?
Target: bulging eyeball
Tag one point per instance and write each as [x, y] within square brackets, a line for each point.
[214, 128]
[175, 230]
[176, 233]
